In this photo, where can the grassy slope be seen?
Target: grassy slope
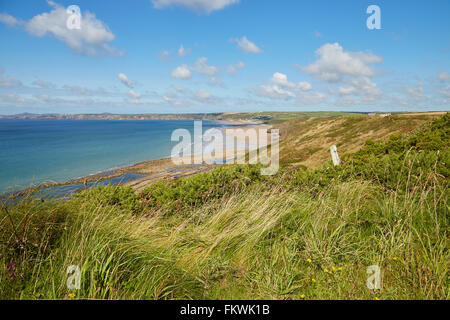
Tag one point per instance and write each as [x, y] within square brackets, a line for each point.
[306, 141]
[233, 234]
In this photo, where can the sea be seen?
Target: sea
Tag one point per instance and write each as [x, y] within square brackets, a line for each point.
[34, 152]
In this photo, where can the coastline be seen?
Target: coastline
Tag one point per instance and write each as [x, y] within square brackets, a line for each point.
[165, 169]
[152, 170]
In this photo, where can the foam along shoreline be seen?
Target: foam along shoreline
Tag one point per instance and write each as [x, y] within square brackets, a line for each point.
[142, 174]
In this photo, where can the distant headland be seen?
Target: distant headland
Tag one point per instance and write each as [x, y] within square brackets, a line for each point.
[220, 116]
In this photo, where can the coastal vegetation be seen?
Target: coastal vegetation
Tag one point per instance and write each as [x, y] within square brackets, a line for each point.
[309, 232]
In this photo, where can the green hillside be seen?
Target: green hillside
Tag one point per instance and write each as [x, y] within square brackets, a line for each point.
[234, 234]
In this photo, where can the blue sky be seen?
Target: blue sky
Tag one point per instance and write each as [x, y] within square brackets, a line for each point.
[181, 56]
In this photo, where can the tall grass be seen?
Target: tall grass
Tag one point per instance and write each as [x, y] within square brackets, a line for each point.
[289, 237]
[256, 244]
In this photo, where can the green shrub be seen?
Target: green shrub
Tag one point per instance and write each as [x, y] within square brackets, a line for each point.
[178, 195]
[402, 161]
[123, 197]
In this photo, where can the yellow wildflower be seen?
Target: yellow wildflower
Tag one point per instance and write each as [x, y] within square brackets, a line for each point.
[313, 280]
[376, 298]
[302, 296]
[325, 270]
[309, 260]
[71, 295]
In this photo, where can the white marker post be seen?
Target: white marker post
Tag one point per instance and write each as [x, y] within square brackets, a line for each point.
[335, 156]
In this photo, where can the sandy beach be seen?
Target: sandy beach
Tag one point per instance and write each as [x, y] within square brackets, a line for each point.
[155, 170]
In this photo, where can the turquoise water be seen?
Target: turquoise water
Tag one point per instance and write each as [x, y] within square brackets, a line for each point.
[38, 151]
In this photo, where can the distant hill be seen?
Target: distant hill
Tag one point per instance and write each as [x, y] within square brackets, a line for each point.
[225, 116]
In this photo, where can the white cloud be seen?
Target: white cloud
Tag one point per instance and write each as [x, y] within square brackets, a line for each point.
[246, 45]
[352, 70]
[182, 52]
[367, 88]
[7, 81]
[164, 55]
[317, 34]
[310, 98]
[347, 90]
[16, 98]
[200, 6]
[411, 96]
[273, 92]
[445, 94]
[362, 86]
[9, 20]
[182, 72]
[202, 95]
[186, 97]
[334, 63]
[232, 69]
[304, 86]
[415, 93]
[443, 88]
[178, 88]
[43, 97]
[134, 97]
[13, 98]
[81, 91]
[201, 66]
[282, 80]
[213, 81]
[359, 90]
[92, 38]
[134, 94]
[124, 79]
[282, 89]
[170, 98]
[43, 84]
[444, 77]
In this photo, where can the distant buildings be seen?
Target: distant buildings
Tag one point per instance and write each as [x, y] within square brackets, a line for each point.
[382, 115]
